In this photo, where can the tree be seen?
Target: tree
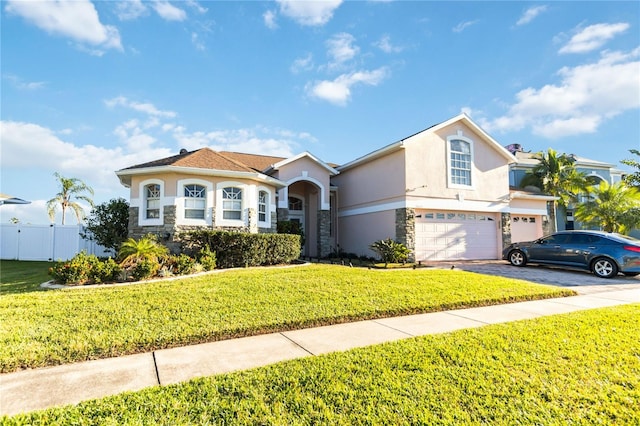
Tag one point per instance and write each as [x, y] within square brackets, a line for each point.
[108, 224]
[633, 179]
[614, 208]
[69, 188]
[556, 175]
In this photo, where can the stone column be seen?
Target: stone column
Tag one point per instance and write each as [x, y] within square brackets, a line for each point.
[406, 230]
[324, 233]
[505, 222]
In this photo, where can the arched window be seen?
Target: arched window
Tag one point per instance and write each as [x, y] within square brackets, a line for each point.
[152, 201]
[232, 203]
[263, 201]
[460, 162]
[195, 201]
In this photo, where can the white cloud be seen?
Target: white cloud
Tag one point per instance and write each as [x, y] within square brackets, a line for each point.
[593, 37]
[386, 46]
[19, 83]
[77, 19]
[197, 6]
[146, 108]
[270, 19]
[302, 64]
[463, 26]
[168, 11]
[338, 91]
[195, 39]
[130, 9]
[309, 13]
[586, 96]
[260, 140]
[530, 14]
[341, 49]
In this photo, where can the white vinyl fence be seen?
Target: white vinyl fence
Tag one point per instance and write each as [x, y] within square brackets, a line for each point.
[45, 242]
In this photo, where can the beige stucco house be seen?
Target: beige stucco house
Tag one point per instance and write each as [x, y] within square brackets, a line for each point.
[444, 192]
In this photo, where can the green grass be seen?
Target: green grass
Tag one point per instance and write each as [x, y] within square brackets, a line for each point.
[578, 369]
[22, 277]
[55, 327]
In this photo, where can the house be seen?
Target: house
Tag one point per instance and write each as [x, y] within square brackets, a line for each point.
[444, 192]
[596, 172]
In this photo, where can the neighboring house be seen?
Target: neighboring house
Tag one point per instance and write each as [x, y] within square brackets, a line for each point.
[596, 172]
[444, 192]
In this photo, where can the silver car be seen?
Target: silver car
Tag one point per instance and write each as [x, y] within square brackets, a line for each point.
[604, 254]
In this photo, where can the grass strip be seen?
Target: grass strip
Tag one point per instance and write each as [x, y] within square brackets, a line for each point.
[21, 277]
[580, 368]
[55, 327]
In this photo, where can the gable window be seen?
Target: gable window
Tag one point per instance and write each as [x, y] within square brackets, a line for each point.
[232, 203]
[152, 201]
[263, 197]
[460, 162]
[195, 201]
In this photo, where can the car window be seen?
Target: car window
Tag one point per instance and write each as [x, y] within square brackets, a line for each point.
[582, 239]
[555, 239]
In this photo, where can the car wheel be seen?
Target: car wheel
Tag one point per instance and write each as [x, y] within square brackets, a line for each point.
[517, 258]
[631, 274]
[604, 268]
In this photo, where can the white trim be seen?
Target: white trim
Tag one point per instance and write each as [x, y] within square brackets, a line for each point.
[127, 173]
[179, 203]
[431, 204]
[307, 154]
[538, 212]
[142, 210]
[270, 207]
[219, 220]
[324, 205]
[526, 196]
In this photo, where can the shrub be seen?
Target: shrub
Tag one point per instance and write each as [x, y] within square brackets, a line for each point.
[105, 271]
[235, 249]
[390, 251]
[85, 269]
[183, 264]
[207, 259]
[144, 268]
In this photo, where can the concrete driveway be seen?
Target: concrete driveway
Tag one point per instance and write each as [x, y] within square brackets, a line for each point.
[581, 281]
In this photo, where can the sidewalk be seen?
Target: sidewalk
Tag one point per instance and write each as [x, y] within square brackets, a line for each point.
[37, 389]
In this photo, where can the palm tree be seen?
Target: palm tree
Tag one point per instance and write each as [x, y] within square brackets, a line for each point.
[614, 208]
[146, 248]
[69, 187]
[556, 175]
[633, 179]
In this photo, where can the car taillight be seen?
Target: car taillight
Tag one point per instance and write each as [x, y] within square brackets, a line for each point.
[632, 248]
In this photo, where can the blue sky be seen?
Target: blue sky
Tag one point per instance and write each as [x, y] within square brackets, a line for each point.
[92, 87]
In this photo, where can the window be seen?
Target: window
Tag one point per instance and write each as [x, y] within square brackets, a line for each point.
[263, 197]
[460, 162]
[195, 201]
[152, 201]
[295, 204]
[232, 203]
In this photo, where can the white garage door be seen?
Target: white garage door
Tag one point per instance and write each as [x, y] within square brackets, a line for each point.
[525, 228]
[456, 235]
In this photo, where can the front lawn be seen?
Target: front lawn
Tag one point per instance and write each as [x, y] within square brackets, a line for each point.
[21, 277]
[54, 327]
[581, 368]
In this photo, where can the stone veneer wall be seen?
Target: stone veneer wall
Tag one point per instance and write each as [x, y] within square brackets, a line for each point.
[324, 233]
[505, 226]
[406, 230]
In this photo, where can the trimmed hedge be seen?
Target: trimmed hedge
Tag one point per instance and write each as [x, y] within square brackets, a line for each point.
[236, 249]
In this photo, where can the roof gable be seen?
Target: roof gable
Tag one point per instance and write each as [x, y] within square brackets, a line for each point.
[308, 155]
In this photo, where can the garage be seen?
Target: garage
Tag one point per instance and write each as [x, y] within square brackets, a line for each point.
[447, 235]
[525, 228]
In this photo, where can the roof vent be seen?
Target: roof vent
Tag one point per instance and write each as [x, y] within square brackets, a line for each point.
[183, 151]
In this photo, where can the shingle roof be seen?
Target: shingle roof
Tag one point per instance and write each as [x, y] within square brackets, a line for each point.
[204, 158]
[257, 162]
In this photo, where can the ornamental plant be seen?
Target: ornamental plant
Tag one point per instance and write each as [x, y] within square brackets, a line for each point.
[390, 251]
